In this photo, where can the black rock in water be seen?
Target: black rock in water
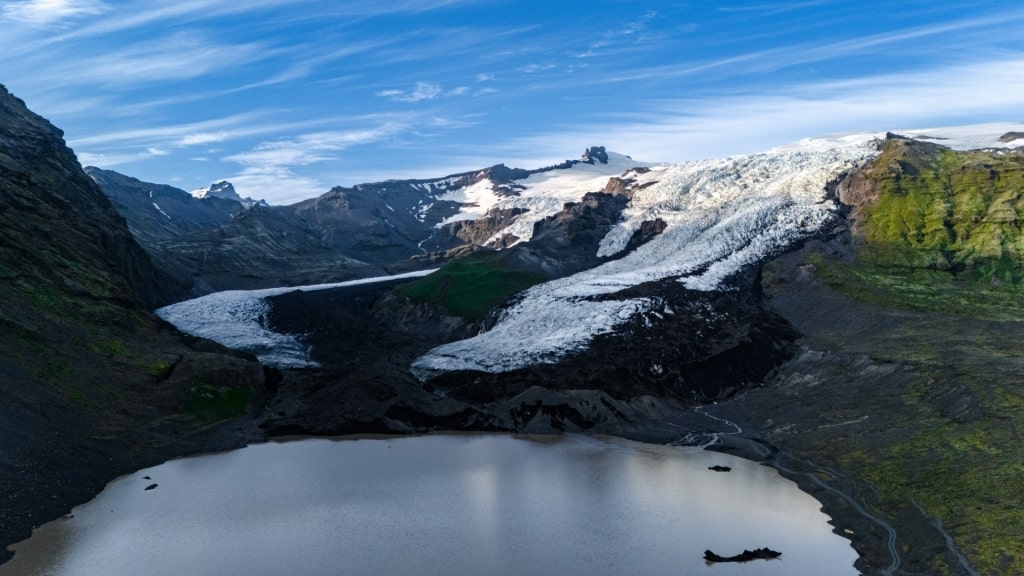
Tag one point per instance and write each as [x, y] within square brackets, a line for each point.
[745, 556]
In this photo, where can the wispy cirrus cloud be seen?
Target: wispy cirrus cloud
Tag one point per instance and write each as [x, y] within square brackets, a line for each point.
[314, 147]
[275, 168]
[182, 56]
[201, 138]
[48, 12]
[673, 130]
[248, 123]
[421, 91]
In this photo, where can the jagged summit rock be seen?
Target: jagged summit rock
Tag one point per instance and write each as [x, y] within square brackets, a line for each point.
[595, 154]
[220, 189]
[226, 190]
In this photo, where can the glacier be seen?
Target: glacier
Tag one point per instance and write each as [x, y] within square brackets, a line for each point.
[722, 215]
[235, 318]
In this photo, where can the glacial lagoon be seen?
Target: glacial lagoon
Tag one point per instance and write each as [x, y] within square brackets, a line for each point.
[461, 504]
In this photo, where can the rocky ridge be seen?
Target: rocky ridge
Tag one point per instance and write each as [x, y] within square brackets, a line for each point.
[366, 230]
[93, 384]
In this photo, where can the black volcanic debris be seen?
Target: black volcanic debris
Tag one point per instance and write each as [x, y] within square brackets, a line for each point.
[699, 347]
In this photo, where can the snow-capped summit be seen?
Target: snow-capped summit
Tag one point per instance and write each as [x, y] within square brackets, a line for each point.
[224, 189]
[539, 193]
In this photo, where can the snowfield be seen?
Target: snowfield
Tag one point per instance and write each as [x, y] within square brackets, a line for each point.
[543, 194]
[236, 319]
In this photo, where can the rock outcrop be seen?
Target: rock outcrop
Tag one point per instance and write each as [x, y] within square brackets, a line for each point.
[93, 385]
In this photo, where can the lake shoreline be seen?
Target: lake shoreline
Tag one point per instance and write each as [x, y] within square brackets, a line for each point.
[867, 537]
[582, 491]
[371, 394]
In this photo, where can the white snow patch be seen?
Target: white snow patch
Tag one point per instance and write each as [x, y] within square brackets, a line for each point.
[476, 200]
[545, 194]
[160, 210]
[234, 318]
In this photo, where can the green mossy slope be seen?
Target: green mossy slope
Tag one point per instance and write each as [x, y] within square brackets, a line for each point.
[939, 209]
[942, 232]
[471, 285]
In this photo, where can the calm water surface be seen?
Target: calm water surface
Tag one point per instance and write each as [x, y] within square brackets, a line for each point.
[449, 504]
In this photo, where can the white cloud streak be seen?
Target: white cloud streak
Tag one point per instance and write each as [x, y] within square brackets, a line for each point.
[688, 129]
[312, 148]
[421, 91]
[271, 170]
[48, 12]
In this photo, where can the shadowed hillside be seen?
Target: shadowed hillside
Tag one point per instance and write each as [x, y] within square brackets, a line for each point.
[93, 385]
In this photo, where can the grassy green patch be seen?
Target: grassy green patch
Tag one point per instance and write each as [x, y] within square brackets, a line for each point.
[922, 289]
[110, 348]
[968, 475]
[946, 233]
[159, 369]
[210, 403]
[470, 286]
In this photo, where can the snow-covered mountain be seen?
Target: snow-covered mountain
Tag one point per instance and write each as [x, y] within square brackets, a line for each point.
[226, 190]
[722, 215]
[367, 229]
[537, 196]
[716, 218]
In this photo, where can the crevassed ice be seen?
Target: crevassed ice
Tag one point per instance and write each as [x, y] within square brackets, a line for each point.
[722, 215]
[234, 318]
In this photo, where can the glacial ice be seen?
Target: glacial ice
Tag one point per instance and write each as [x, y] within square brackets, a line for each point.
[234, 318]
[722, 215]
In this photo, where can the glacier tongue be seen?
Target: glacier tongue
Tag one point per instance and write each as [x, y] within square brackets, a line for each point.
[235, 318]
[722, 215]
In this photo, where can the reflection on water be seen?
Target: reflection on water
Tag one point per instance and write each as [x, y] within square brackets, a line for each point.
[451, 504]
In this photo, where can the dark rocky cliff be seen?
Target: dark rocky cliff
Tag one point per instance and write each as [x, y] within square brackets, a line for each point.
[92, 384]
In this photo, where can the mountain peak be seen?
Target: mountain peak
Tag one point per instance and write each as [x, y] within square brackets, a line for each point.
[224, 189]
[221, 189]
[595, 155]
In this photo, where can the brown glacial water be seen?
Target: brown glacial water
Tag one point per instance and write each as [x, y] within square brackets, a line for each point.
[445, 504]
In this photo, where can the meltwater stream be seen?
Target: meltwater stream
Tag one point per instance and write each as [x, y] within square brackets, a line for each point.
[468, 504]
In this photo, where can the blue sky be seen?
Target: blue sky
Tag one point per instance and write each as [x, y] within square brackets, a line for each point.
[289, 98]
